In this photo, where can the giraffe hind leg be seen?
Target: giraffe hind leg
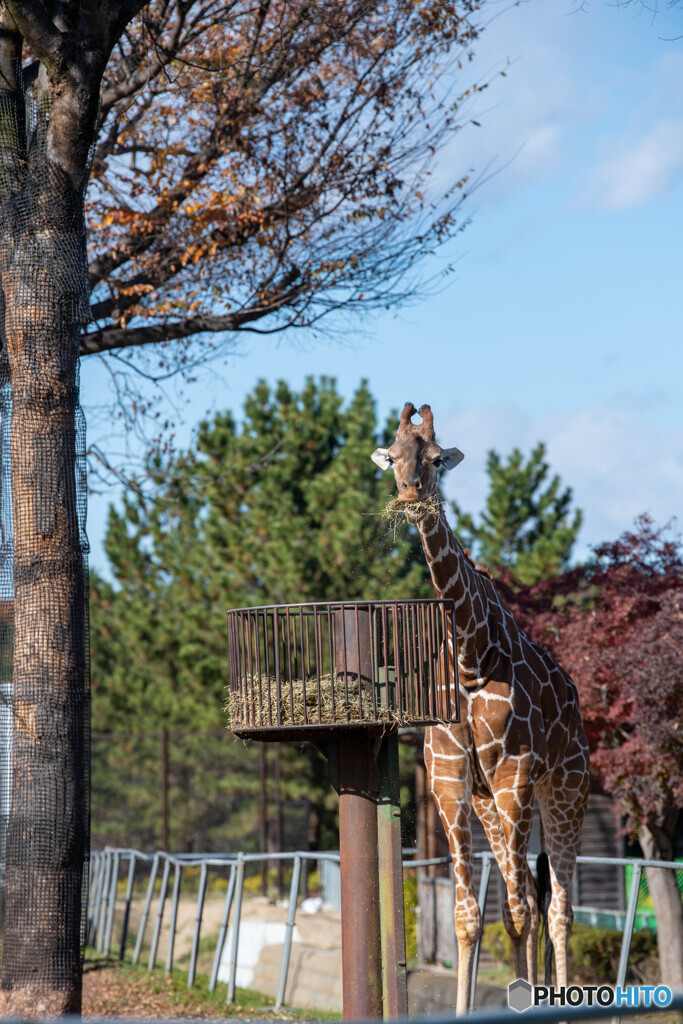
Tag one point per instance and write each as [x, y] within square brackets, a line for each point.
[562, 811]
[514, 803]
[466, 914]
[485, 809]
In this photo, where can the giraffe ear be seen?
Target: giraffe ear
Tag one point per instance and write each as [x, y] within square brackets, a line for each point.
[452, 457]
[380, 458]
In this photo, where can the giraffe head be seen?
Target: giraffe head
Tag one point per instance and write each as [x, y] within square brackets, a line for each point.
[415, 457]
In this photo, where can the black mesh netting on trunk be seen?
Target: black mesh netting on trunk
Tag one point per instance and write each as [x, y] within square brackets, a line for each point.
[44, 667]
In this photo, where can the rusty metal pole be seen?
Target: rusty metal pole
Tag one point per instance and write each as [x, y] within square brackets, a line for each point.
[390, 861]
[361, 944]
[421, 807]
[278, 820]
[358, 796]
[263, 819]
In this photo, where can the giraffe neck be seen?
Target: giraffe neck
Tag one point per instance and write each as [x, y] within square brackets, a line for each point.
[455, 577]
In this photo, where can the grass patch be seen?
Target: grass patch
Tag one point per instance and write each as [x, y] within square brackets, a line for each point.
[121, 989]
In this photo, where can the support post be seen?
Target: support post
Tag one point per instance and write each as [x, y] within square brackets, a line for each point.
[287, 946]
[235, 937]
[126, 909]
[160, 915]
[174, 916]
[222, 931]
[145, 909]
[629, 923]
[486, 862]
[390, 863]
[361, 949]
[112, 902]
[201, 896]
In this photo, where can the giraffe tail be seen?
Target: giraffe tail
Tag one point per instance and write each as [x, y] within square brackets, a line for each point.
[544, 891]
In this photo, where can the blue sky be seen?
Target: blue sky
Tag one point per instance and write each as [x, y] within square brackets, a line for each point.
[563, 319]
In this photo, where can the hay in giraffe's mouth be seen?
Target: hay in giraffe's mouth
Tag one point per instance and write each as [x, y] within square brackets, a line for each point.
[397, 510]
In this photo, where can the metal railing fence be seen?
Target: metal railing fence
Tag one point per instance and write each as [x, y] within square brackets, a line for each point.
[106, 873]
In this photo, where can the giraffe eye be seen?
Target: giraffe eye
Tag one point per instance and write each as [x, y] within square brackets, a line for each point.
[438, 461]
[390, 460]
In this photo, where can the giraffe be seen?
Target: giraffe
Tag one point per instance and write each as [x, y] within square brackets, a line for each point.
[520, 735]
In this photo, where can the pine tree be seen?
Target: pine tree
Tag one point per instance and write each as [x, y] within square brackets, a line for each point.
[527, 525]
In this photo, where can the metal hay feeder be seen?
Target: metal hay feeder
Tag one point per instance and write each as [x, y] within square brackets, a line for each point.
[307, 668]
[346, 676]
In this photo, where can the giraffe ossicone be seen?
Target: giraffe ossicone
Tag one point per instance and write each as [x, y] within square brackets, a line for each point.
[520, 737]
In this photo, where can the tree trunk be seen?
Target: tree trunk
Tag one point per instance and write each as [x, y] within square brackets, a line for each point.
[48, 830]
[668, 906]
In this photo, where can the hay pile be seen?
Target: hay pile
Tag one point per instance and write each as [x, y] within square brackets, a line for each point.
[247, 711]
[396, 511]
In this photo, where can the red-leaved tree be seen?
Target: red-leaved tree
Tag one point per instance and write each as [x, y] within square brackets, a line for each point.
[617, 627]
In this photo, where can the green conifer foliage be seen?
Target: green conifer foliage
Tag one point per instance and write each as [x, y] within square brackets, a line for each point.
[527, 526]
[281, 507]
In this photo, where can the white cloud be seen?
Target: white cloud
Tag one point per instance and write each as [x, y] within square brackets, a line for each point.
[617, 464]
[642, 171]
[566, 103]
[523, 116]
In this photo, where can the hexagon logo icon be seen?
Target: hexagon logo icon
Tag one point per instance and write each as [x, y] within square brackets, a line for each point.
[520, 995]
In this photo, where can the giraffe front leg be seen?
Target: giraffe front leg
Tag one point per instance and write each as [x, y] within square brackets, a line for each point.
[468, 929]
[466, 913]
[450, 783]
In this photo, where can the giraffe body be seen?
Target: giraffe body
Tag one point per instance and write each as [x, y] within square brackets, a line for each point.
[519, 738]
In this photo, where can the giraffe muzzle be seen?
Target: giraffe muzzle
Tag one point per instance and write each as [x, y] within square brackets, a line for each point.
[409, 493]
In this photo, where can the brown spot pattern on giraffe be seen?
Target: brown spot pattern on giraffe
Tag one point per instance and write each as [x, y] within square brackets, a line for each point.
[520, 738]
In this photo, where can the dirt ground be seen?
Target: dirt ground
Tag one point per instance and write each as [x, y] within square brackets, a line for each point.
[114, 991]
[120, 990]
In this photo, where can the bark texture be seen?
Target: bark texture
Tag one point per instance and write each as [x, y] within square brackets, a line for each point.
[668, 905]
[44, 305]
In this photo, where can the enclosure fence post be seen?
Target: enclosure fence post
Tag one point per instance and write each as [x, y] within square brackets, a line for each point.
[102, 902]
[88, 909]
[197, 925]
[234, 938]
[112, 901]
[483, 892]
[289, 929]
[160, 915]
[629, 922]
[174, 916]
[223, 929]
[145, 909]
[95, 896]
[126, 909]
